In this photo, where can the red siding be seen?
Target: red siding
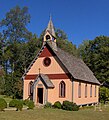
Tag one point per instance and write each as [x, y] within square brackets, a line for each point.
[51, 76]
[45, 53]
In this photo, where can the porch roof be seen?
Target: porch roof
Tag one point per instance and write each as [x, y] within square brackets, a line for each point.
[45, 79]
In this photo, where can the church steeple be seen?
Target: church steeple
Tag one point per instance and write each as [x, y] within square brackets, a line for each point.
[50, 36]
[50, 27]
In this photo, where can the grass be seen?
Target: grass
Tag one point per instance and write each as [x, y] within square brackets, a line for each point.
[55, 114]
[86, 113]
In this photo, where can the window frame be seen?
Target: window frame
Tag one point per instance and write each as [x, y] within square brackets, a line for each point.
[62, 89]
[86, 90]
[79, 90]
[91, 90]
[95, 90]
[30, 88]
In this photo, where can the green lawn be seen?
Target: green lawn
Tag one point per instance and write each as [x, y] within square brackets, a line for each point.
[55, 114]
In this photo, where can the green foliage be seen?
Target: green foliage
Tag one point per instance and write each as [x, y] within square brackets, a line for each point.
[95, 54]
[15, 24]
[67, 105]
[67, 46]
[3, 104]
[57, 104]
[70, 106]
[2, 85]
[19, 105]
[48, 105]
[104, 94]
[75, 107]
[60, 34]
[31, 104]
[13, 103]
[13, 86]
[26, 101]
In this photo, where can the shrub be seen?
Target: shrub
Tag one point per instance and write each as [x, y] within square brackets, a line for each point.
[48, 105]
[67, 105]
[75, 107]
[3, 104]
[25, 102]
[13, 103]
[70, 106]
[30, 104]
[19, 105]
[57, 104]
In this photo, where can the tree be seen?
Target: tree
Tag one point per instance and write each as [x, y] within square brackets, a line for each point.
[13, 38]
[95, 54]
[15, 24]
[104, 94]
[60, 34]
[67, 46]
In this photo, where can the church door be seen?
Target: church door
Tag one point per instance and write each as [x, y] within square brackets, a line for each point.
[40, 95]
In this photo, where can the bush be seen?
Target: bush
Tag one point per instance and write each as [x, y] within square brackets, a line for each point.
[75, 107]
[30, 104]
[70, 106]
[25, 102]
[57, 104]
[13, 103]
[48, 105]
[67, 105]
[19, 105]
[104, 94]
[3, 104]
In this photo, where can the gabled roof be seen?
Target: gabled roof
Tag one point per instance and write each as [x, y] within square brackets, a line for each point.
[76, 67]
[44, 78]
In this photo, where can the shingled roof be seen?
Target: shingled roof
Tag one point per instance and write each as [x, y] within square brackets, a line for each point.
[44, 78]
[76, 67]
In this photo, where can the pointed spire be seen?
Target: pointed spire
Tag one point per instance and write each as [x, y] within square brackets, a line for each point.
[50, 27]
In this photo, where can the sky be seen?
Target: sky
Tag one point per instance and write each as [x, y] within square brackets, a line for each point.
[79, 19]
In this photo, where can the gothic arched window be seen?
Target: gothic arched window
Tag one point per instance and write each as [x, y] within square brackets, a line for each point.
[30, 88]
[62, 89]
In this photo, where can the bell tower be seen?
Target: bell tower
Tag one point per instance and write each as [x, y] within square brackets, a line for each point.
[50, 36]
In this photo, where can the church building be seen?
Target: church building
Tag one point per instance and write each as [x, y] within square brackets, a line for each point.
[55, 75]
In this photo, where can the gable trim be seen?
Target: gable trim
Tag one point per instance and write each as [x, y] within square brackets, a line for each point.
[51, 76]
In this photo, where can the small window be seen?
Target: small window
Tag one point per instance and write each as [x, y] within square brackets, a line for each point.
[47, 61]
[79, 90]
[95, 90]
[91, 91]
[85, 90]
[62, 89]
[47, 37]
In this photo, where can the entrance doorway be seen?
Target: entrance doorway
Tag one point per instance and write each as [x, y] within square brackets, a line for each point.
[40, 95]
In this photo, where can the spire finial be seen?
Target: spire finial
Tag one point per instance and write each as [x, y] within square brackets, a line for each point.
[50, 17]
[50, 27]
